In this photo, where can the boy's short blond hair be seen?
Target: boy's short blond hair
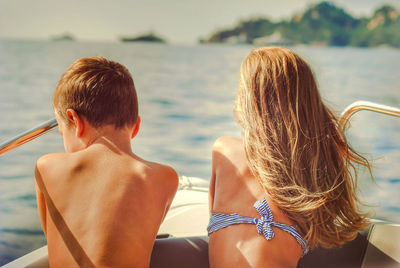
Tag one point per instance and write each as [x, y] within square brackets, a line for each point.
[101, 90]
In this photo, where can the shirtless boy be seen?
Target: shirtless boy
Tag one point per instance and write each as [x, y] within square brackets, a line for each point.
[100, 204]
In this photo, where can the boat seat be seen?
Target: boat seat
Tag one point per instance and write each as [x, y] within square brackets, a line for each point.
[376, 246]
[171, 252]
[349, 255]
[384, 246]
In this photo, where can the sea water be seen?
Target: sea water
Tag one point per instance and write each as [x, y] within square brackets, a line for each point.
[186, 95]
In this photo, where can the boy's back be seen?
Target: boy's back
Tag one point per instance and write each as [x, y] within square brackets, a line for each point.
[100, 204]
[109, 204]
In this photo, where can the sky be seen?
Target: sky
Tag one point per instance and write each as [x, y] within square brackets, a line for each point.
[178, 21]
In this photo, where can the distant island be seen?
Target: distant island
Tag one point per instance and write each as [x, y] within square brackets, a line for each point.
[63, 37]
[150, 37]
[321, 24]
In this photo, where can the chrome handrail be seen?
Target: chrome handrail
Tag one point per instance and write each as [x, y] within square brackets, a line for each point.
[27, 136]
[51, 124]
[357, 106]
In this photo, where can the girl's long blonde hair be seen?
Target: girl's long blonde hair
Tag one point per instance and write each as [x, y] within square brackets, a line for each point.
[295, 148]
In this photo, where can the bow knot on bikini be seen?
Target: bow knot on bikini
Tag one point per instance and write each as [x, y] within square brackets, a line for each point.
[264, 223]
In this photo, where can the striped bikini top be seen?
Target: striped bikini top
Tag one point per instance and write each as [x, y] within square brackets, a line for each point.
[263, 225]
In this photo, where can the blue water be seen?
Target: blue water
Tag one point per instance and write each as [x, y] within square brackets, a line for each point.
[186, 96]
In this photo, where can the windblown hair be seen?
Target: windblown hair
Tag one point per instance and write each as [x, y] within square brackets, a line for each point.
[295, 148]
[99, 89]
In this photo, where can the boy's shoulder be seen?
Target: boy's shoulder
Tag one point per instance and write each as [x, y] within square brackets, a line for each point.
[58, 160]
[50, 160]
[162, 178]
[161, 171]
[155, 167]
[164, 170]
[50, 168]
[56, 165]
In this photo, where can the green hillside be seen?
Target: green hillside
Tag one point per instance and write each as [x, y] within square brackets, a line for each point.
[321, 24]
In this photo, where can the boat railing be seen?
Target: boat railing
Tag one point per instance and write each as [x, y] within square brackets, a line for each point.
[357, 106]
[51, 124]
[27, 136]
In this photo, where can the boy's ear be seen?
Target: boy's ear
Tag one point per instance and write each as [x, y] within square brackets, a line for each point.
[77, 122]
[136, 129]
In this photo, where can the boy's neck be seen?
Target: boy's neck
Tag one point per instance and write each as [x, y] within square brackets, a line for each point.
[109, 136]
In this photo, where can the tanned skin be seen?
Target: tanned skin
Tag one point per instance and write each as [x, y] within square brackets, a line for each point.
[100, 204]
[233, 189]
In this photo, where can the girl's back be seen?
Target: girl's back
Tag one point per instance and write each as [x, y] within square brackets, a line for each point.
[236, 190]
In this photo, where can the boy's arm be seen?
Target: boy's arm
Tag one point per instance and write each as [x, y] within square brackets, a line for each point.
[41, 202]
[173, 181]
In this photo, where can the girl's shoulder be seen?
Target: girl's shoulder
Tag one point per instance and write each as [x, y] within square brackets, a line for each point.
[229, 150]
[225, 143]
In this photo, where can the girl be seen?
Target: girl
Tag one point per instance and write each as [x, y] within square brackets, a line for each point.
[290, 183]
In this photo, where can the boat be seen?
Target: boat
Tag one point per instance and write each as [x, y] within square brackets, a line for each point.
[182, 239]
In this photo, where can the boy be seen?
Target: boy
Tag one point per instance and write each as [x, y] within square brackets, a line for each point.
[100, 205]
